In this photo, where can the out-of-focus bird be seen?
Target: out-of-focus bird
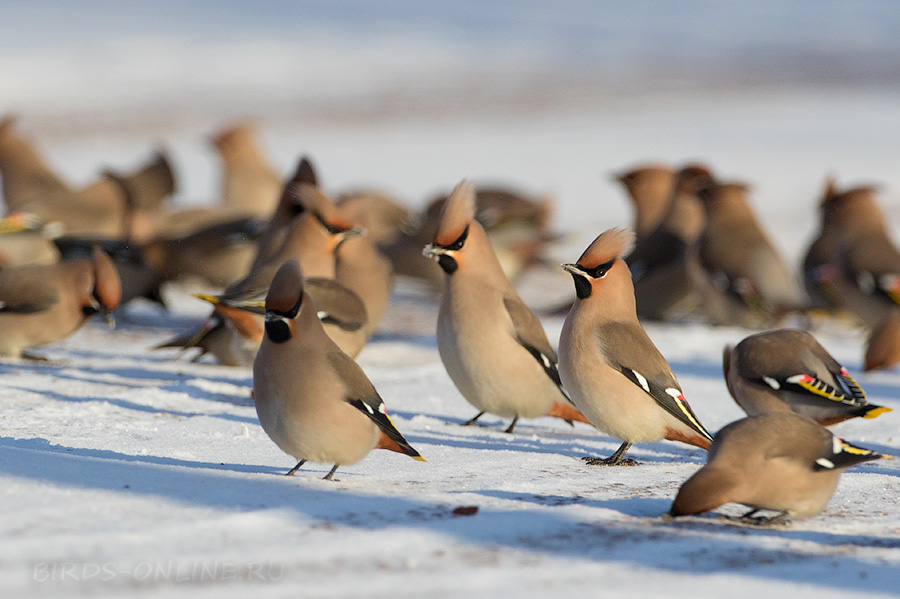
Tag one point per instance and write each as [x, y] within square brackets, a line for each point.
[138, 279]
[45, 303]
[492, 345]
[249, 182]
[668, 278]
[649, 186]
[883, 344]
[218, 254]
[518, 227]
[782, 462]
[379, 213]
[146, 190]
[613, 372]
[312, 399]
[738, 253]
[25, 241]
[30, 186]
[866, 260]
[819, 268]
[788, 370]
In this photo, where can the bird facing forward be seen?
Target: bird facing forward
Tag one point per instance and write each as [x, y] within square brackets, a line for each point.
[312, 399]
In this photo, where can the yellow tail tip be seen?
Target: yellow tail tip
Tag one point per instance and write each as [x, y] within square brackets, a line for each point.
[884, 456]
[206, 297]
[877, 412]
[418, 458]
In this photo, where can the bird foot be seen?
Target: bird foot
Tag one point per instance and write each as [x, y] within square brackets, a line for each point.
[34, 357]
[610, 461]
[760, 521]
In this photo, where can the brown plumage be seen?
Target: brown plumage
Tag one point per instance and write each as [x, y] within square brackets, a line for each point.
[614, 374]
[313, 400]
[249, 182]
[492, 345]
[775, 461]
[788, 370]
[883, 344]
[649, 187]
[43, 304]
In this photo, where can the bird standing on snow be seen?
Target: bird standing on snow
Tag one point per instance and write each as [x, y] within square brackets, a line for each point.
[492, 345]
[312, 399]
[649, 187]
[613, 372]
[45, 303]
[787, 370]
[782, 462]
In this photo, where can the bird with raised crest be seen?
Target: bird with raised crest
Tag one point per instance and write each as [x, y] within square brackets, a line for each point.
[493, 346]
[614, 373]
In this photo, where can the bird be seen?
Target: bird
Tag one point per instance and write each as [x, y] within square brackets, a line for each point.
[249, 182]
[782, 462]
[866, 260]
[146, 190]
[517, 225]
[43, 304]
[738, 253]
[788, 370]
[614, 374]
[818, 265]
[669, 280]
[32, 187]
[883, 344]
[312, 399]
[492, 345]
[649, 187]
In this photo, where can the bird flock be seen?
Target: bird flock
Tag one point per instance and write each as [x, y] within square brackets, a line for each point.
[298, 282]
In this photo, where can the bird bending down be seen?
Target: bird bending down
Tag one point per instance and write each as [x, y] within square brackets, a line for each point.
[787, 370]
[492, 345]
[782, 462]
[612, 370]
[312, 399]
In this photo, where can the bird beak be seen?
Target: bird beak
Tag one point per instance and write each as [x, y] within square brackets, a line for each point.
[106, 313]
[353, 232]
[572, 268]
[434, 251]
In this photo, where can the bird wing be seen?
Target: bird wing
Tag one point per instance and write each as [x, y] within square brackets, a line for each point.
[361, 394]
[336, 304]
[874, 268]
[808, 384]
[530, 334]
[842, 454]
[625, 347]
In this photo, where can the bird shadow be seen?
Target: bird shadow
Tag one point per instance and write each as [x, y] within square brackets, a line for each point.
[641, 540]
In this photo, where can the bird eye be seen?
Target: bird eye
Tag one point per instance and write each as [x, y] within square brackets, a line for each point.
[460, 241]
[600, 271]
[328, 227]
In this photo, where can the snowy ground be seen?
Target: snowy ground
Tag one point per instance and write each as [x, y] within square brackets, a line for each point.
[128, 472]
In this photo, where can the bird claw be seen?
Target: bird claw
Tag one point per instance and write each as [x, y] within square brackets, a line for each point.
[610, 461]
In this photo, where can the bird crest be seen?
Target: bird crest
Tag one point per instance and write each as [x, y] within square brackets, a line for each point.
[609, 245]
[457, 213]
[286, 289]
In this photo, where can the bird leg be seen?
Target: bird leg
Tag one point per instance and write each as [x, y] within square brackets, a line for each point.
[295, 468]
[512, 425]
[26, 355]
[472, 421]
[330, 474]
[616, 459]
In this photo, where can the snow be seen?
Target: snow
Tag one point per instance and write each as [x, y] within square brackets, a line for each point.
[130, 472]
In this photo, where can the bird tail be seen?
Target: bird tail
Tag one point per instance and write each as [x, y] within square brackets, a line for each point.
[873, 411]
[399, 444]
[567, 413]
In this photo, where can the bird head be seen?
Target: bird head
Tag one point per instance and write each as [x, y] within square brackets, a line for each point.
[602, 262]
[457, 217]
[283, 302]
[107, 289]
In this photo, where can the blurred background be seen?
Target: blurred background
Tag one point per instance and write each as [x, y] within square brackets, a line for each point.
[411, 96]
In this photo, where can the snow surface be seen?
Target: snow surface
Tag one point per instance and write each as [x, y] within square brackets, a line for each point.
[127, 472]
